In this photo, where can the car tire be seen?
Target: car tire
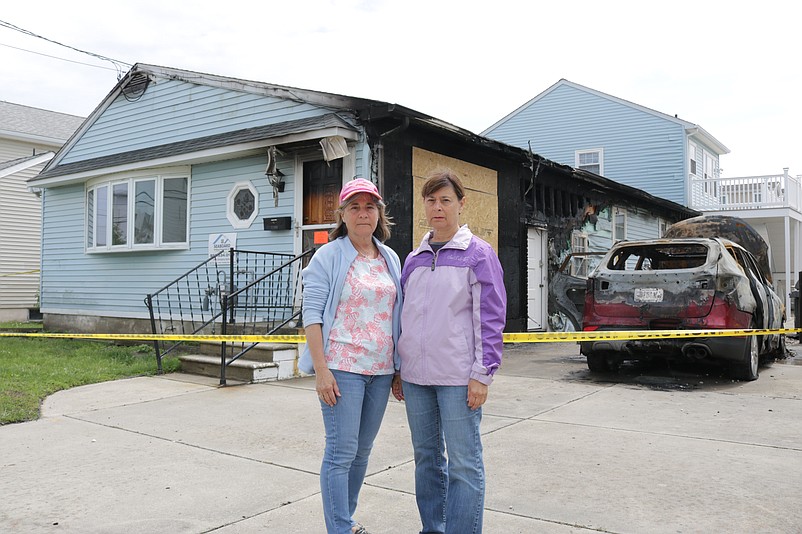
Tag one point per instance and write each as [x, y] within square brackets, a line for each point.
[747, 368]
[597, 362]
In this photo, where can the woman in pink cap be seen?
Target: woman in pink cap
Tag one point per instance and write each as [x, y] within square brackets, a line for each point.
[351, 313]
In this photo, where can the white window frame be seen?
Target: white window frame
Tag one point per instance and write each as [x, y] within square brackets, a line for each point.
[710, 173]
[693, 163]
[598, 151]
[710, 166]
[130, 180]
[235, 221]
[615, 213]
[662, 226]
[579, 264]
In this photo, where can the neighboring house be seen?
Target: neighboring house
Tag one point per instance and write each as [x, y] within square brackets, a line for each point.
[29, 138]
[174, 162]
[662, 154]
[770, 203]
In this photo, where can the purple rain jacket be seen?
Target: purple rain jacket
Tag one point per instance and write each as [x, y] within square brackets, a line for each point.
[455, 308]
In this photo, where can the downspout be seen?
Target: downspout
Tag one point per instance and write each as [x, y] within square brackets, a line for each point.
[532, 186]
[380, 149]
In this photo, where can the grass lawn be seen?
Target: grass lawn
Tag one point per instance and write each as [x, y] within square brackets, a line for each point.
[33, 368]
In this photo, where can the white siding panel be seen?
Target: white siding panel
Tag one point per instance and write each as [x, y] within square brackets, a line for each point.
[640, 149]
[20, 215]
[11, 149]
[171, 111]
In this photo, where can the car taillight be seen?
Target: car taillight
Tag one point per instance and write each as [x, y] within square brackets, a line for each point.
[590, 328]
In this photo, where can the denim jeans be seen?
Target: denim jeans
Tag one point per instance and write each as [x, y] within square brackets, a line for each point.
[450, 492]
[351, 426]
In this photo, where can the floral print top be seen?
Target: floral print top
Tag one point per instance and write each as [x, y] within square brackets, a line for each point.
[361, 337]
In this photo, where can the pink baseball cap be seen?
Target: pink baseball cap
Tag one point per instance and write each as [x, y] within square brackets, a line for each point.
[356, 186]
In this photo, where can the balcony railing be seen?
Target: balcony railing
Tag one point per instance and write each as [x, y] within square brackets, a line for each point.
[746, 193]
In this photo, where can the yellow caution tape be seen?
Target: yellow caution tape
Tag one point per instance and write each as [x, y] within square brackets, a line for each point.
[168, 337]
[20, 273]
[604, 335]
[527, 337]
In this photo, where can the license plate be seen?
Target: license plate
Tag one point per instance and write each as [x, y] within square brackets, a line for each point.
[649, 294]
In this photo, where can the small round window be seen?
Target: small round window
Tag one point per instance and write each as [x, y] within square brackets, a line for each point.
[242, 205]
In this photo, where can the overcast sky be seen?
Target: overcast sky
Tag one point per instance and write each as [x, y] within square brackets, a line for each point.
[733, 71]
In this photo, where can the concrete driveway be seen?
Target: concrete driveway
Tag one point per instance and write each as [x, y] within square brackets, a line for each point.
[643, 450]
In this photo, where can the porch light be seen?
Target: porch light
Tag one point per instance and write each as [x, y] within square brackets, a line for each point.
[274, 176]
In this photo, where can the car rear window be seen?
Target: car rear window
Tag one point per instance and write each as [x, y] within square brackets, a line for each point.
[658, 257]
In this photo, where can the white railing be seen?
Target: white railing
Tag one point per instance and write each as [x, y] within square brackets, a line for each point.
[746, 193]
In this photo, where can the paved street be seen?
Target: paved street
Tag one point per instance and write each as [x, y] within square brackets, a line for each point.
[661, 449]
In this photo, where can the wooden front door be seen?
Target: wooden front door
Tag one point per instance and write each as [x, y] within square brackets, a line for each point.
[322, 183]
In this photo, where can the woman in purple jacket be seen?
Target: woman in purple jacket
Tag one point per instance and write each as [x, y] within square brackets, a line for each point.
[450, 347]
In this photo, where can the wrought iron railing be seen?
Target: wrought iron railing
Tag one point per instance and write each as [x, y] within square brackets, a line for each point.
[235, 291]
[262, 307]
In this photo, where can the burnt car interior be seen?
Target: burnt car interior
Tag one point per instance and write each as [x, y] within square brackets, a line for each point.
[658, 257]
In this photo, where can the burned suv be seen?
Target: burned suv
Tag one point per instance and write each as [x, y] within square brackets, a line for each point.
[676, 284]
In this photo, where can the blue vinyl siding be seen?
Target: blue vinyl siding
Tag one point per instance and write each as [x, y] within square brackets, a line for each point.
[171, 111]
[121, 280]
[641, 149]
[640, 225]
[116, 283]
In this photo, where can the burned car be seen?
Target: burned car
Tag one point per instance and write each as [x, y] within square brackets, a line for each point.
[676, 284]
[567, 290]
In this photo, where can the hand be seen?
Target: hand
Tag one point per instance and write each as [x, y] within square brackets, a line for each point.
[326, 386]
[477, 394]
[398, 388]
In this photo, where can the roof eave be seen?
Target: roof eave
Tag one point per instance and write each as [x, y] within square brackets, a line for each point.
[702, 135]
[192, 158]
[26, 163]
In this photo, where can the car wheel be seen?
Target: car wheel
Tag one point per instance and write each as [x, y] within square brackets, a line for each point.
[597, 362]
[746, 369]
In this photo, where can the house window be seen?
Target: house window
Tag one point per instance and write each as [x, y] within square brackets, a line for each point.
[242, 205]
[711, 167]
[619, 224]
[692, 158]
[590, 160]
[711, 174]
[579, 244]
[137, 212]
[662, 226]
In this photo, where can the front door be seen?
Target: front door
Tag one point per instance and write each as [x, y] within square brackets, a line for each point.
[322, 183]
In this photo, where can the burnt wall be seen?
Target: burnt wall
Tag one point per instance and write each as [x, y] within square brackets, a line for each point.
[397, 175]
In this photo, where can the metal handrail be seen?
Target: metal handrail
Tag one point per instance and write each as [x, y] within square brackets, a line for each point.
[199, 299]
[230, 306]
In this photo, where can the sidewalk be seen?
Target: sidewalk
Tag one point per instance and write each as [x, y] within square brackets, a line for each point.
[564, 452]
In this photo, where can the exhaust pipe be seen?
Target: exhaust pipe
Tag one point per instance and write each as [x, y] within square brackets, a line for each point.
[696, 351]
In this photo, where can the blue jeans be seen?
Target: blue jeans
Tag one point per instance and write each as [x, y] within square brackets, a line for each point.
[450, 492]
[351, 426]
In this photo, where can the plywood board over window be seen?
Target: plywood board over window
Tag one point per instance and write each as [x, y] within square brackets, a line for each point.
[481, 193]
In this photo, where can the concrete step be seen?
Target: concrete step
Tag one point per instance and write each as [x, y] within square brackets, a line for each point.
[263, 352]
[241, 370]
